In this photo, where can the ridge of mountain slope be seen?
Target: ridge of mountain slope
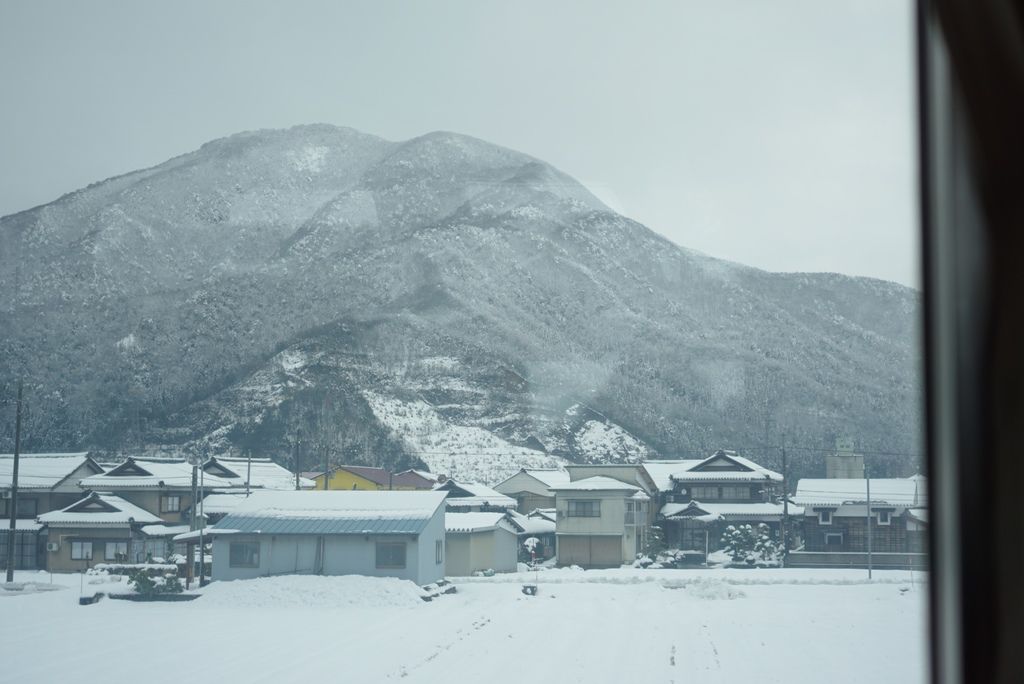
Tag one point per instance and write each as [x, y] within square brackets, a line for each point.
[152, 311]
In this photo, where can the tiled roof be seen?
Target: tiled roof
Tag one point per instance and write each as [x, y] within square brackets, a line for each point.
[596, 483]
[97, 510]
[910, 491]
[40, 471]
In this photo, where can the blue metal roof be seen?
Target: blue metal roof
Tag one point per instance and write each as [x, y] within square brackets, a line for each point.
[320, 525]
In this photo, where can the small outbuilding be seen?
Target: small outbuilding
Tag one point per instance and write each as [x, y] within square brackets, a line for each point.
[479, 541]
[374, 533]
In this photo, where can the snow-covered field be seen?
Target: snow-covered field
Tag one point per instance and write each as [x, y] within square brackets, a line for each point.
[792, 626]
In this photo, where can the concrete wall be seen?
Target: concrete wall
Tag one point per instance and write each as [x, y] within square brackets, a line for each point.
[613, 513]
[468, 552]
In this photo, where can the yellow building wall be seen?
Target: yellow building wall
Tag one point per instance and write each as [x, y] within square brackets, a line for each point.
[343, 479]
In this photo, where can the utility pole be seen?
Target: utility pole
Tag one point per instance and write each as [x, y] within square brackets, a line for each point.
[785, 504]
[192, 526]
[867, 481]
[13, 529]
[297, 464]
[248, 471]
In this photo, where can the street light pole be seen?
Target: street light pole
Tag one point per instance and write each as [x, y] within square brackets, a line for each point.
[13, 529]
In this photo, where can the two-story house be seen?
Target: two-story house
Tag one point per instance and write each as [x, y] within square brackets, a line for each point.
[601, 521]
[705, 497]
[46, 482]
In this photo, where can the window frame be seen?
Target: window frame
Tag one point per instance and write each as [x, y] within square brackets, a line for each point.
[82, 546]
[573, 507]
[165, 499]
[233, 563]
[116, 544]
[888, 518]
[438, 552]
[380, 563]
[821, 517]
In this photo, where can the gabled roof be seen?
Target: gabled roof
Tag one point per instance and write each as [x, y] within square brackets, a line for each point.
[725, 465]
[420, 479]
[548, 476]
[218, 473]
[475, 522]
[333, 512]
[910, 491]
[43, 471]
[531, 524]
[468, 494]
[661, 471]
[727, 511]
[595, 484]
[98, 510]
[545, 513]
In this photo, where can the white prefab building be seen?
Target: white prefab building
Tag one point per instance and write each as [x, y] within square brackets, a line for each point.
[375, 533]
[479, 541]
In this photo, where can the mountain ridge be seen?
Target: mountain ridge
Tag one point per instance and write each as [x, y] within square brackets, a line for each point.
[220, 260]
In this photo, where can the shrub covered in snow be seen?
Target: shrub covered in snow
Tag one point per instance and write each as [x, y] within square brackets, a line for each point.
[751, 547]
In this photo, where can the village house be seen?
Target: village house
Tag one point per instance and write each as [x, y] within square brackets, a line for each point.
[701, 498]
[472, 496]
[601, 521]
[479, 541]
[531, 487]
[46, 482]
[837, 515]
[349, 477]
[98, 528]
[379, 533]
[164, 486]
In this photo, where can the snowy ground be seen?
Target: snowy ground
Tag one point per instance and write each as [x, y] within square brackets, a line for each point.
[792, 626]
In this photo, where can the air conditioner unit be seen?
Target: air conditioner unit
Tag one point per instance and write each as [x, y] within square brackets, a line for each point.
[52, 546]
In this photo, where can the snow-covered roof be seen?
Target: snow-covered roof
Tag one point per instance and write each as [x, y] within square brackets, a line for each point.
[218, 503]
[41, 471]
[910, 491]
[473, 522]
[918, 514]
[728, 511]
[470, 494]
[548, 513]
[531, 524]
[22, 525]
[333, 512]
[163, 530]
[98, 510]
[661, 471]
[549, 476]
[596, 483]
[218, 473]
[725, 465]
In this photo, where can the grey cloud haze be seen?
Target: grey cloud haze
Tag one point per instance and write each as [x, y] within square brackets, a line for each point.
[775, 134]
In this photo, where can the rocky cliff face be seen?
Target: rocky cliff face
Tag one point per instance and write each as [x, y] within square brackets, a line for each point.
[322, 292]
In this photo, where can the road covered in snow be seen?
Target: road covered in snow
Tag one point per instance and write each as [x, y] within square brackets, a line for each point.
[792, 626]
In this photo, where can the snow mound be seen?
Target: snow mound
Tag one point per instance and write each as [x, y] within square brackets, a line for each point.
[312, 591]
[713, 589]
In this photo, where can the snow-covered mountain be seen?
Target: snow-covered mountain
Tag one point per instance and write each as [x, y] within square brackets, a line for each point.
[327, 292]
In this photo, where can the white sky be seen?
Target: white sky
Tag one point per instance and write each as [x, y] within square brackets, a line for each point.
[778, 134]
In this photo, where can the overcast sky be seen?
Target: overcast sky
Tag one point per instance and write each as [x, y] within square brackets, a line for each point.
[777, 134]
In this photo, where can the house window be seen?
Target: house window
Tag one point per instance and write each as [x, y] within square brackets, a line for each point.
[884, 517]
[390, 554]
[3, 508]
[244, 555]
[116, 551]
[584, 509]
[438, 552]
[736, 493]
[833, 540]
[824, 517]
[703, 493]
[81, 550]
[27, 508]
[170, 504]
